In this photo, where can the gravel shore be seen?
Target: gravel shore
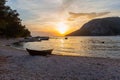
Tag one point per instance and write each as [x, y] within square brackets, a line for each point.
[19, 65]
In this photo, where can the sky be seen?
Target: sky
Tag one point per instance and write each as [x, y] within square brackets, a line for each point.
[49, 17]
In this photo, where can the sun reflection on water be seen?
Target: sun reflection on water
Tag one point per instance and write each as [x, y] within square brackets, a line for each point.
[80, 46]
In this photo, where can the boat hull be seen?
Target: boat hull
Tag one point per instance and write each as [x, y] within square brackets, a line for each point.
[40, 53]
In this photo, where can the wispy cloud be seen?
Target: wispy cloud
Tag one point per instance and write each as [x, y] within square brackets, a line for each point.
[88, 15]
[42, 10]
[36, 14]
[66, 3]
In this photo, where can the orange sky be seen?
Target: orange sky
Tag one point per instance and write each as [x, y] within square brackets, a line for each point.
[59, 17]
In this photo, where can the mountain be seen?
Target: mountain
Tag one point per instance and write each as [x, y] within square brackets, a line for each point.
[109, 26]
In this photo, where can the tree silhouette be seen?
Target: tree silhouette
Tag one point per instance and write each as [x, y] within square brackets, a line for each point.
[10, 23]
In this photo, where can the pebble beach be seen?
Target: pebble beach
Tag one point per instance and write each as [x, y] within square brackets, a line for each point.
[17, 64]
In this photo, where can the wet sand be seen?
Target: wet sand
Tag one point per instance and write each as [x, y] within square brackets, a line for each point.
[19, 65]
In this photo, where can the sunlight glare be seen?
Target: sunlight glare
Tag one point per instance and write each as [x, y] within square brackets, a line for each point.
[62, 28]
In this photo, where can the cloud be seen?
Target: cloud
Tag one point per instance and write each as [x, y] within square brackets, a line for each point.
[39, 13]
[63, 8]
[66, 3]
[88, 15]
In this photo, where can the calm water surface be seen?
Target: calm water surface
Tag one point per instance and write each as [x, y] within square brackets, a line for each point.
[80, 46]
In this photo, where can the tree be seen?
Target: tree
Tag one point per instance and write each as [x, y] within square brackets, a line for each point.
[10, 23]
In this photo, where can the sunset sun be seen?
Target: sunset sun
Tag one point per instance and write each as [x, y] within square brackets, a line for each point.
[62, 28]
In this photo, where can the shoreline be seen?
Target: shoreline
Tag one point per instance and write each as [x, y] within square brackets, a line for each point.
[19, 65]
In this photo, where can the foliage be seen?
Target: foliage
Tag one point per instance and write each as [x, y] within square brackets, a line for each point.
[10, 23]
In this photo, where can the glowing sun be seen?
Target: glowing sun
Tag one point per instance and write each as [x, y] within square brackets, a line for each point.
[62, 28]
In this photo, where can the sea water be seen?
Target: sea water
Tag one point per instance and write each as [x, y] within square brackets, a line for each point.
[108, 47]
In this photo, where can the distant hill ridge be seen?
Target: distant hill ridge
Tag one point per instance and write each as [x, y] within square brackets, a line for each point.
[109, 26]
